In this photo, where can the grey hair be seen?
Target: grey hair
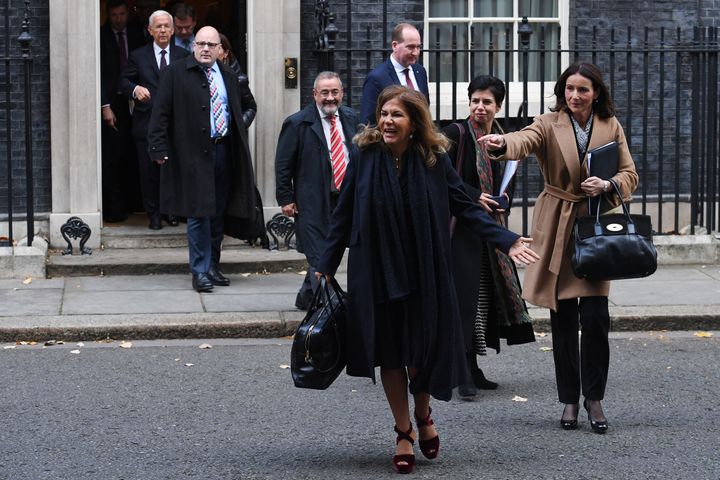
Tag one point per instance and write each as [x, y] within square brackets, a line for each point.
[157, 13]
[326, 75]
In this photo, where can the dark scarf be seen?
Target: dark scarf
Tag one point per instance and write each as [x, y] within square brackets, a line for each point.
[436, 296]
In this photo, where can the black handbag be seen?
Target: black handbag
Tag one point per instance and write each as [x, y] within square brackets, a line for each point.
[318, 350]
[613, 246]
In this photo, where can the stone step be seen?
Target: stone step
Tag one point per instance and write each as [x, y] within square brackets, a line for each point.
[159, 260]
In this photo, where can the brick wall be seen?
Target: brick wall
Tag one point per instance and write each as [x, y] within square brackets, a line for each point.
[39, 26]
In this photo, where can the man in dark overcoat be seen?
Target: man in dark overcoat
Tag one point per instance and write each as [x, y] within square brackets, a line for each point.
[401, 68]
[140, 82]
[305, 184]
[119, 164]
[197, 135]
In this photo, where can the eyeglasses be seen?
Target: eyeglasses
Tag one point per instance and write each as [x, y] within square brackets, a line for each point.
[206, 44]
[326, 93]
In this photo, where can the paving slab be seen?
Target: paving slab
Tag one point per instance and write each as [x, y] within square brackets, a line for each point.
[129, 302]
[33, 284]
[119, 283]
[256, 302]
[30, 302]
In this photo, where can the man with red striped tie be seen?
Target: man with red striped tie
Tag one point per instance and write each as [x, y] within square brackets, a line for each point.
[310, 162]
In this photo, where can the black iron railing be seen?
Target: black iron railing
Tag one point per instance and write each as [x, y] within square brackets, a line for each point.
[664, 83]
[25, 62]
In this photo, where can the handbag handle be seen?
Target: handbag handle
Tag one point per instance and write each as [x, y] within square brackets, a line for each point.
[630, 223]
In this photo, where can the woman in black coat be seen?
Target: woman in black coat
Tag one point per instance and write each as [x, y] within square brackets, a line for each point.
[487, 284]
[393, 212]
[247, 99]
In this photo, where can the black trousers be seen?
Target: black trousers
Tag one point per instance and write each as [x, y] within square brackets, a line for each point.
[149, 179]
[119, 163]
[586, 364]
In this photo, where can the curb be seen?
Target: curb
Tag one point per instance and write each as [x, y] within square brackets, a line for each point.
[276, 324]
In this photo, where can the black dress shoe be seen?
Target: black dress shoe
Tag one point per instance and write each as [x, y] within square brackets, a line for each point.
[217, 278]
[481, 382]
[201, 282]
[172, 220]
[571, 423]
[596, 425]
[467, 391]
[155, 223]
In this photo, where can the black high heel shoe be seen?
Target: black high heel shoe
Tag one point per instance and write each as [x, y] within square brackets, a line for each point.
[570, 424]
[597, 426]
[404, 463]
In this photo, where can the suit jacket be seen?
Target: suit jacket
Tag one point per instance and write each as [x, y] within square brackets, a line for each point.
[142, 69]
[110, 68]
[303, 173]
[382, 76]
[180, 129]
[352, 225]
[552, 139]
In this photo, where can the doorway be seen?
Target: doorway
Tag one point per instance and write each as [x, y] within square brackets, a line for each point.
[230, 18]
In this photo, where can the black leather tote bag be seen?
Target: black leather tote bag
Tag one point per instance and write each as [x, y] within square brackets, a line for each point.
[614, 246]
[318, 350]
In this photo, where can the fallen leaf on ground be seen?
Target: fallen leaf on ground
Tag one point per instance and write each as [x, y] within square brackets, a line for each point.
[540, 334]
[302, 272]
[125, 345]
[546, 349]
[22, 343]
[33, 343]
[8, 347]
[189, 364]
[703, 334]
[75, 351]
[27, 281]
[518, 398]
[205, 345]
[50, 343]
[245, 275]
[284, 366]
[80, 344]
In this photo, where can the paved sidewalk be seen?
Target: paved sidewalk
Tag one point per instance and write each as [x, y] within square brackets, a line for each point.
[262, 305]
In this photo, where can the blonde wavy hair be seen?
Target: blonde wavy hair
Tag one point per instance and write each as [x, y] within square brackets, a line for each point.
[426, 138]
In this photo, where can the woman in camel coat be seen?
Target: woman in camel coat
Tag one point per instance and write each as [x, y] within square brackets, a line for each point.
[582, 119]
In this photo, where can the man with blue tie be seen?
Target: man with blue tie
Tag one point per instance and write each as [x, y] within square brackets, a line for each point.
[140, 83]
[185, 21]
[400, 69]
[197, 135]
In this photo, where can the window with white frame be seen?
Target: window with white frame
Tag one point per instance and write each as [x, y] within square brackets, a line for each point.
[479, 26]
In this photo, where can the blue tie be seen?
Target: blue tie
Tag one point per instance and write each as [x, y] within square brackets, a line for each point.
[216, 105]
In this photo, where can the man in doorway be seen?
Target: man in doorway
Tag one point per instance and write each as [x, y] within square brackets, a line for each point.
[185, 20]
[197, 135]
[400, 69]
[140, 83]
[310, 162]
[117, 40]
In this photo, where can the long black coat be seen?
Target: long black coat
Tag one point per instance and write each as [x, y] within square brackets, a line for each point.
[351, 225]
[110, 68]
[180, 129]
[303, 174]
[142, 69]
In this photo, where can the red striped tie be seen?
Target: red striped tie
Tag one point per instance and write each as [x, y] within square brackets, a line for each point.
[337, 153]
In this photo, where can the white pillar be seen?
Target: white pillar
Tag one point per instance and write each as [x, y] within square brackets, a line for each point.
[273, 35]
[75, 116]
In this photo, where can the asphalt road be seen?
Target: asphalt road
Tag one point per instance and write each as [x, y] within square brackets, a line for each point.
[170, 410]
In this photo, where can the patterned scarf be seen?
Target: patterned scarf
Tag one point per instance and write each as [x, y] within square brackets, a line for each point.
[582, 135]
[511, 308]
